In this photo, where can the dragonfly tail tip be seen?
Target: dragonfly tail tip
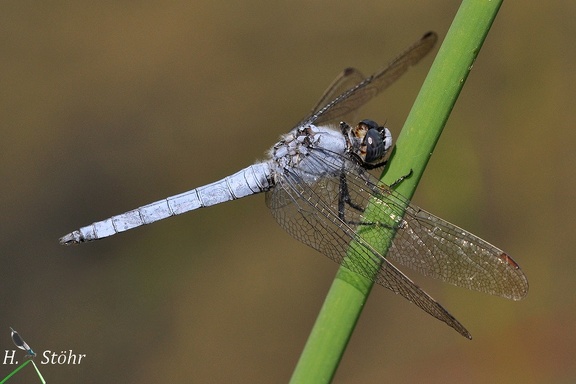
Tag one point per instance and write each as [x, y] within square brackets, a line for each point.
[71, 238]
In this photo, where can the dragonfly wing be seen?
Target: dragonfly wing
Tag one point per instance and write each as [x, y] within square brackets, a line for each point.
[432, 246]
[365, 90]
[310, 212]
[436, 248]
[18, 341]
[346, 80]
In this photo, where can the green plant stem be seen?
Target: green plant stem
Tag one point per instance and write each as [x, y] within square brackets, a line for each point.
[349, 291]
[39, 374]
[15, 371]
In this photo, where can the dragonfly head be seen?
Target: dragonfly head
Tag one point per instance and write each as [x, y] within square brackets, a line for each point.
[372, 143]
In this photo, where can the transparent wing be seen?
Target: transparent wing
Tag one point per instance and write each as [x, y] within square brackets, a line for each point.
[309, 212]
[346, 80]
[436, 248]
[315, 214]
[328, 109]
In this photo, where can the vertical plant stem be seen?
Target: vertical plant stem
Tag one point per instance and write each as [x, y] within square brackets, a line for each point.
[349, 291]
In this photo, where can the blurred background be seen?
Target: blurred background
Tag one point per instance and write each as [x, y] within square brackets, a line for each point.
[111, 105]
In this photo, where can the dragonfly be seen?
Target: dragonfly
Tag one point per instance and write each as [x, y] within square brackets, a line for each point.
[318, 186]
[20, 343]
[30, 355]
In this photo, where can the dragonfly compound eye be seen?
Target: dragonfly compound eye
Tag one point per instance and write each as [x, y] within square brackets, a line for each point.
[376, 144]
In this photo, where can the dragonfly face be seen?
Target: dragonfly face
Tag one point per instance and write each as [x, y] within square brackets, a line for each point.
[368, 143]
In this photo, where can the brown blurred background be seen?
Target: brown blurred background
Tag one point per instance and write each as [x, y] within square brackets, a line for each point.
[109, 106]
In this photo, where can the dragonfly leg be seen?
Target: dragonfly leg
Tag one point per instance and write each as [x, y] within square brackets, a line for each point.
[400, 179]
[344, 199]
[374, 166]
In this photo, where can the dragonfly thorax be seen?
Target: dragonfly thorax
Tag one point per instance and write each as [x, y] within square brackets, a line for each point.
[295, 146]
[368, 142]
